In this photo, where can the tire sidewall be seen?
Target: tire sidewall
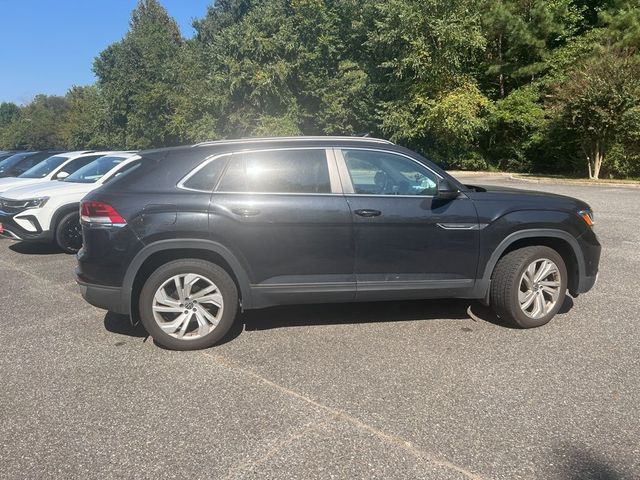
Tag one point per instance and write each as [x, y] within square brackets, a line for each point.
[217, 275]
[523, 319]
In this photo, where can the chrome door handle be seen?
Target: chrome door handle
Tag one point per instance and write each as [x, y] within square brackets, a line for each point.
[366, 212]
[245, 212]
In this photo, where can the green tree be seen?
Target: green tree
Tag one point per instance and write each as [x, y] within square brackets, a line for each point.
[520, 36]
[276, 67]
[425, 51]
[599, 101]
[515, 130]
[39, 125]
[83, 127]
[138, 79]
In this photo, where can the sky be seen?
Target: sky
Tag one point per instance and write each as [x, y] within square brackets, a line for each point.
[47, 46]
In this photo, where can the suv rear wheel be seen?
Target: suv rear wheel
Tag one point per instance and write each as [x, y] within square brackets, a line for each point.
[188, 304]
[528, 286]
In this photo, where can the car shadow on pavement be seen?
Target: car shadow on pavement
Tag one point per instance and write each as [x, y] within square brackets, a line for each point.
[35, 248]
[582, 464]
[121, 324]
[340, 314]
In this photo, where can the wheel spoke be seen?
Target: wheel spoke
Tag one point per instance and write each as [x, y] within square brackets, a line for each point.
[215, 299]
[538, 307]
[179, 289]
[530, 274]
[203, 292]
[164, 299]
[168, 309]
[203, 325]
[185, 324]
[207, 315]
[529, 297]
[171, 327]
[554, 292]
[545, 270]
[189, 281]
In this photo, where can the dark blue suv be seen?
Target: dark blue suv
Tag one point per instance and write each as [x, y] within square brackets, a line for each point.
[192, 233]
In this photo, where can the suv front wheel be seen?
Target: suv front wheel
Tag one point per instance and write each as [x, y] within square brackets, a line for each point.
[68, 233]
[528, 286]
[188, 304]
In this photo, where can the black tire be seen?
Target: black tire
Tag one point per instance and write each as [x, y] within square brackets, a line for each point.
[69, 233]
[215, 274]
[505, 285]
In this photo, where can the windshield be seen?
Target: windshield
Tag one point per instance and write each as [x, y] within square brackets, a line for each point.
[95, 170]
[44, 168]
[8, 163]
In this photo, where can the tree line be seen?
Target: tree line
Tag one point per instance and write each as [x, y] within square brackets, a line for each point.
[547, 86]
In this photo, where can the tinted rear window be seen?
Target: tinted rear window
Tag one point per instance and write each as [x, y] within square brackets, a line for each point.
[206, 178]
[278, 171]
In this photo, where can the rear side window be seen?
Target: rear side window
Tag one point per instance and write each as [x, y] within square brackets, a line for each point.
[278, 171]
[206, 178]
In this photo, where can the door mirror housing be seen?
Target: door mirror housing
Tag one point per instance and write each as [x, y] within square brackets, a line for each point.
[446, 190]
[61, 175]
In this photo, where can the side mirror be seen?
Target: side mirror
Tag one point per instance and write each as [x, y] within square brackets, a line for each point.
[446, 191]
[61, 175]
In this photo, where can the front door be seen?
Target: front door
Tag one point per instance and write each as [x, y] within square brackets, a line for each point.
[409, 243]
[282, 212]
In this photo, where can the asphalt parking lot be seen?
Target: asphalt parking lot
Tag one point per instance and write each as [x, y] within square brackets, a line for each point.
[389, 390]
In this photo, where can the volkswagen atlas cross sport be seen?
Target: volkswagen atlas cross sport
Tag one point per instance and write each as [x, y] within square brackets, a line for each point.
[194, 233]
[49, 211]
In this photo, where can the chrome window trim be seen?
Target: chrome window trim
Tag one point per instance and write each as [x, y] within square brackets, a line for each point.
[349, 191]
[206, 162]
[329, 158]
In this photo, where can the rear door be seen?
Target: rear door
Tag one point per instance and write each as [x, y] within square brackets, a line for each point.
[282, 212]
[409, 243]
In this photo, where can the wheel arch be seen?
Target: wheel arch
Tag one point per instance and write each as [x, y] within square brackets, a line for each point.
[61, 212]
[562, 242]
[161, 252]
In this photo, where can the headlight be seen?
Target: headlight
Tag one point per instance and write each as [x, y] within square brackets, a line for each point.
[9, 205]
[587, 216]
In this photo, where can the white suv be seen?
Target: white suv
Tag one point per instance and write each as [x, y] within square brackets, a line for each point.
[57, 167]
[49, 211]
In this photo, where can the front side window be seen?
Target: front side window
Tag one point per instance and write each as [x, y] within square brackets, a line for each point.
[10, 162]
[44, 168]
[94, 171]
[278, 171]
[383, 173]
[75, 165]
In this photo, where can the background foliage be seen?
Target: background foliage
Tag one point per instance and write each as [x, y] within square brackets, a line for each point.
[523, 85]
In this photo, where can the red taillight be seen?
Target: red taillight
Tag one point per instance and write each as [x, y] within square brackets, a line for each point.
[101, 213]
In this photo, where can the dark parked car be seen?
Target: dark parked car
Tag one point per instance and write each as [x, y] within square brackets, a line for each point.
[4, 155]
[19, 163]
[193, 233]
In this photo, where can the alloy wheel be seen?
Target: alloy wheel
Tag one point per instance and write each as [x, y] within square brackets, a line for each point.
[188, 306]
[539, 288]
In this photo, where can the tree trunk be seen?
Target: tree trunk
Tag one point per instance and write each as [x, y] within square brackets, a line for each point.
[501, 76]
[595, 156]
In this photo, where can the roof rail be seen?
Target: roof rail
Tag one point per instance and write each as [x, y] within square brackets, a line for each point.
[300, 138]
